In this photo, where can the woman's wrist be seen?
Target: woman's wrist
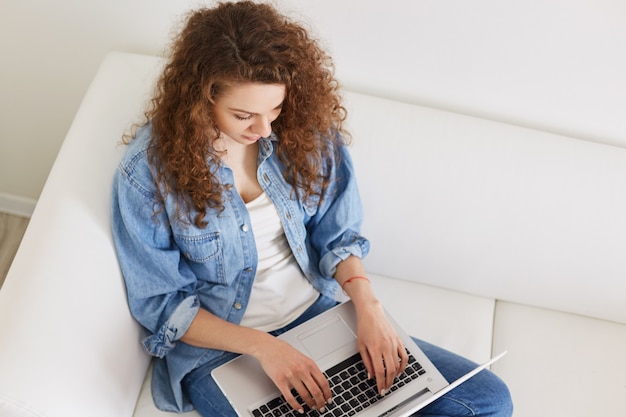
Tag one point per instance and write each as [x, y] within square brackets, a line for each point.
[361, 293]
[259, 344]
[351, 279]
[355, 283]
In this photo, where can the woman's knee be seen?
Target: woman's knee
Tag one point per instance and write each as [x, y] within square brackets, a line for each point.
[497, 397]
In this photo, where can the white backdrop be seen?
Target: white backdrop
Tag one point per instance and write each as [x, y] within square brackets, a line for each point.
[556, 65]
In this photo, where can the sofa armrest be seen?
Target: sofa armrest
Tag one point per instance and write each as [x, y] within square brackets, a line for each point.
[69, 346]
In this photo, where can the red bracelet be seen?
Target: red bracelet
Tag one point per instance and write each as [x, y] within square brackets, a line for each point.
[352, 279]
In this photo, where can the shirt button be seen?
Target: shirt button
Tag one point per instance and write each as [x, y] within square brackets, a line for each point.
[266, 178]
[237, 306]
[245, 227]
[248, 269]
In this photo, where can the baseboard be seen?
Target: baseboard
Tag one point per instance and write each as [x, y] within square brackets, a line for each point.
[19, 206]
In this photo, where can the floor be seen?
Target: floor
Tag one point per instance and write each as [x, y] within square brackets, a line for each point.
[11, 231]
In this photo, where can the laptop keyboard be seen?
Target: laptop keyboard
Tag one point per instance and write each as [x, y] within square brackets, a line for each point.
[352, 391]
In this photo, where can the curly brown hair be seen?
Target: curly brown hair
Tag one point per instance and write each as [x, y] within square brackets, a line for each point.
[229, 44]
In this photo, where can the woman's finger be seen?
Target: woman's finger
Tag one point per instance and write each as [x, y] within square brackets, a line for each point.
[291, 399]
[319, 392]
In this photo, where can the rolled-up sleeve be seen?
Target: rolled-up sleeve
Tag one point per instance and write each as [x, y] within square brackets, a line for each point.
[163, 341]
[350, 244]
[335, 228]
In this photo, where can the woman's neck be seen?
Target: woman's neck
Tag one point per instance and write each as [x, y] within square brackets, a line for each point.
[242, 160]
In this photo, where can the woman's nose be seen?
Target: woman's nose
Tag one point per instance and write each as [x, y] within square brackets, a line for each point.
[263, 127]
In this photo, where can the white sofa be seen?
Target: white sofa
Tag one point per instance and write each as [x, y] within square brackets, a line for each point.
[485, 237]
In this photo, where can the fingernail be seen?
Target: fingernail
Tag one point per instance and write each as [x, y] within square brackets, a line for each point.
[322, 410]
[383, 392]
[301, 411]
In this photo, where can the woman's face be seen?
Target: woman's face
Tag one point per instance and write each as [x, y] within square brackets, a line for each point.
[245, 112]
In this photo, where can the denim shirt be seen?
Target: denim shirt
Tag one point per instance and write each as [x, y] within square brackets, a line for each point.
[173, 268]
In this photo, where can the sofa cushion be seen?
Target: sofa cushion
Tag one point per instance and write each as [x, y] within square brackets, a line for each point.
[561, 364]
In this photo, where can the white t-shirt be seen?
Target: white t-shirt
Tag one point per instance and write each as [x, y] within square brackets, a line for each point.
[281, 292]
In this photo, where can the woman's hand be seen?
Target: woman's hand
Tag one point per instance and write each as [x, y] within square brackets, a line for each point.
[285, 365]
[380, 346]
[289, 368]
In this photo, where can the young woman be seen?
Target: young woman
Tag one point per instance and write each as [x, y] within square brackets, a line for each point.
[236, 216]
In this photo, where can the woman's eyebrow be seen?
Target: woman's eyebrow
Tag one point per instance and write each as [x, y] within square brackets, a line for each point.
[237, 110]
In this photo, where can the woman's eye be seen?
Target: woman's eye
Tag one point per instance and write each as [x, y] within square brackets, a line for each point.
[240, 117]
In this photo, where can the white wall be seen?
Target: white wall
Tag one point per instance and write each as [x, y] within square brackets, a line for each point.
[557, 65]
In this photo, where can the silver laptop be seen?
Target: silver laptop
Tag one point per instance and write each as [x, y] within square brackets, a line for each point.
[330, 339]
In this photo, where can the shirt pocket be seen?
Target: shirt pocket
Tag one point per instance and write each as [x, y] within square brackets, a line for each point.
[204, 255]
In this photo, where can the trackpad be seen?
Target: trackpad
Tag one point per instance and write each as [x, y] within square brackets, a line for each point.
[327, 337]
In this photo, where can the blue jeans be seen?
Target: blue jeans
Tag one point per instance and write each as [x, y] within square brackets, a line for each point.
[483, 395]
